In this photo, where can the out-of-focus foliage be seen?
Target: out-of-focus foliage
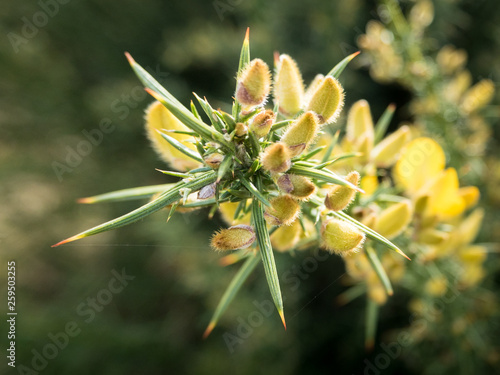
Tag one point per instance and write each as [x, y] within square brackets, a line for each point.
[457, 112]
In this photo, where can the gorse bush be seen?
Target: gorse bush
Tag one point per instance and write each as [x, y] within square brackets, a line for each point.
[284, 183]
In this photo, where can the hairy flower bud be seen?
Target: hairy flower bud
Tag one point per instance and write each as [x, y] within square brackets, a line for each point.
[213, 160]
[237, 237]
[328, 100]
[283, 211]
[276, 158]
[261, 124]
[313, 86]
[386, 153]
[360, 123]
[159, 118]
[478, 96]
[298, 186]
[339, 197]
[254, 83]
[301, 133]
[341, 237]
[288, 86]
[241, 129]
[393, 220]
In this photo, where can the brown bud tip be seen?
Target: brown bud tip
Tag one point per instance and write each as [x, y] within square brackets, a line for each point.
[241, 129]
[298, 186]
[213, 160]
[261, 124]
[341, 237]
[237, 237]
[276, 158]
[339, 197]
[254, 83]
[283, 211]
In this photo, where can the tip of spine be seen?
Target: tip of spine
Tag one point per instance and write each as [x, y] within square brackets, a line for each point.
[130, 59]
[152, 93]
[209, 330]
[391, 107]
[87, 200]
[70, 239]
[355, 54]
[282, 316]
[247, 36]
[276, 56]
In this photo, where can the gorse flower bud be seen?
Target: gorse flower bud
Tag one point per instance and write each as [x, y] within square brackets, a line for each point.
[339, 196]
[283, 211]
[254, 83]
[237, 237]
[478, 96]
[298, 186]
[327, 100]
[386, 153]
[360, 123]
[241, 129]
[288, 86]
[393, 220]
[341, 237]
[301, 133]
[160, 118]
[313, 86]
[213, 160]
[276, 158]
[262, 123]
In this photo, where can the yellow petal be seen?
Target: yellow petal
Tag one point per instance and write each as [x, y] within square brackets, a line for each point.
[227, 211]
[157, 118]
[445, 201]
[286, 237]
[394, 219]
[387, 151]
[470, 194]
[369, 184]
[420, 162]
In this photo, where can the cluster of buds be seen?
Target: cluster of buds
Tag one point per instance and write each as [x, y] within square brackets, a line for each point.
[267, 171]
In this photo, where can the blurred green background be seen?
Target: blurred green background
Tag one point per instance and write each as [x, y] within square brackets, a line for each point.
[66, 76]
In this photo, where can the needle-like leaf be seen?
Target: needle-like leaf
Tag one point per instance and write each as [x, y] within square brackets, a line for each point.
[156, 90]
[369, 232]
[168, 197]
[231, 291]
[383, 123]
[179, 146]
[379, 269]
[127, 194]
[266, 252]
[325, 176]
[370, 323]
[339, 68]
